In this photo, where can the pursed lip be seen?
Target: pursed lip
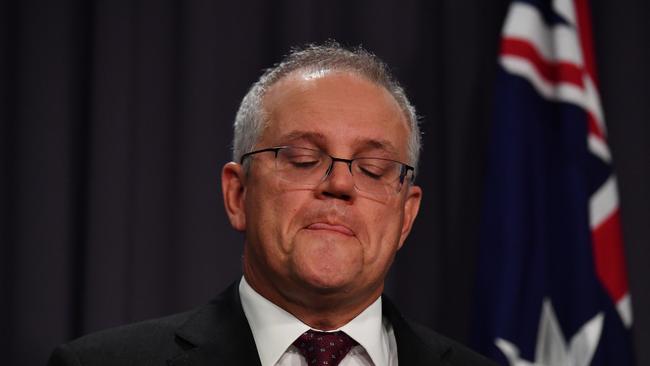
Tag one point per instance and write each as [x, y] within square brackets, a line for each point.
[342, 229]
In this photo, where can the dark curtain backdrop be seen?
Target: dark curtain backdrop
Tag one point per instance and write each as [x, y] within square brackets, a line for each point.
[116, 119]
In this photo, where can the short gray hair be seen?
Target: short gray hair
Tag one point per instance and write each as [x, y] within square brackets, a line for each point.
[250, 119]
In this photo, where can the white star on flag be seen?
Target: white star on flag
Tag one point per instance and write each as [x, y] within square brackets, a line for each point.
[551, 348]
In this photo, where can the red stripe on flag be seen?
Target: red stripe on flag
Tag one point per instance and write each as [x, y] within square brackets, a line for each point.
[552, 72]
[583, 18]
[608, 253]
[594, 127]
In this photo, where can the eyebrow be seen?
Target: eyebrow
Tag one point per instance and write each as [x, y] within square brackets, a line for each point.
[363, 144]
[376, 144]
[304, 135]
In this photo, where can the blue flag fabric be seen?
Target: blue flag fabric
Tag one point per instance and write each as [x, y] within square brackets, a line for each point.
[551, 285]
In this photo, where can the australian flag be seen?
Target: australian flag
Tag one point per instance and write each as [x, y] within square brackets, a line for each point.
[551, 286]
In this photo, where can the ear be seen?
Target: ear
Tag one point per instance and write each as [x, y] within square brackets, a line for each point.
[234, 194]
[411, 208]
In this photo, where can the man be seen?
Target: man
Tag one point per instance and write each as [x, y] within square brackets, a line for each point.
[325, 150]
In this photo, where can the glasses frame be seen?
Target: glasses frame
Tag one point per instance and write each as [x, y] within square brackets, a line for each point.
[405, 168]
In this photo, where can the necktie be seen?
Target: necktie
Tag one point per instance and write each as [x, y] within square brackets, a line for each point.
[324, 349]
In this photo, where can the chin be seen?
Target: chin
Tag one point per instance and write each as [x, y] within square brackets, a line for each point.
[324, 278]
[327, 262]
[325, 282]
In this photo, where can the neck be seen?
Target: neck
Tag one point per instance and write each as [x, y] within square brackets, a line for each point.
[333, 315]
[322, 310]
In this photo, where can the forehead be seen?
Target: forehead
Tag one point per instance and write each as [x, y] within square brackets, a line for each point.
[335, 107]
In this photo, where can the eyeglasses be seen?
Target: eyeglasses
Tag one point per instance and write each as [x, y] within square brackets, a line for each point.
[309, 167]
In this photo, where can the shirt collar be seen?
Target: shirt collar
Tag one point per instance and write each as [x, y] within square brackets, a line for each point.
[274, 329]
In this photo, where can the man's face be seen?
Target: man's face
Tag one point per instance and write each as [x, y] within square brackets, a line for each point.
[329, 239]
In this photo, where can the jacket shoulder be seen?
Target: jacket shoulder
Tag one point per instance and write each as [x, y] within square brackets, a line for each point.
[133, 344]
[455, 354]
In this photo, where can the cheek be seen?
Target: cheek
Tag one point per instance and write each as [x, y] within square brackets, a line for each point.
[262, 217]
[384, 234]
[283, 216]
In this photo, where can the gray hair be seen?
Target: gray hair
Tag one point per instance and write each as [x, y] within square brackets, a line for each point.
[250, 119]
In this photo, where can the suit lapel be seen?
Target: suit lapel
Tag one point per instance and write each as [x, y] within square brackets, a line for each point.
[218, 334]
[412, 349]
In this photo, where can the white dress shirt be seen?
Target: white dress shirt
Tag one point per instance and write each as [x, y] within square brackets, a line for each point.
[275, 330]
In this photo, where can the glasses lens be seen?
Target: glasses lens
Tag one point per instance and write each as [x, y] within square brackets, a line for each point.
[301, 165]
[378, 176]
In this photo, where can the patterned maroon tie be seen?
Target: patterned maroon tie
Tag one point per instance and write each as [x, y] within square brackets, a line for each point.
[324, 349]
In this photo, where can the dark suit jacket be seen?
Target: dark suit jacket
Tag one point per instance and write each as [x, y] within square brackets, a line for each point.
[218, 334]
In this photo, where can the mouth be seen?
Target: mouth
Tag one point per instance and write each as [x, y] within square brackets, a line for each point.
[331, 227]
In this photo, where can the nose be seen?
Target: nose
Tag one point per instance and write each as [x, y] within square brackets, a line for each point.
[338, 182]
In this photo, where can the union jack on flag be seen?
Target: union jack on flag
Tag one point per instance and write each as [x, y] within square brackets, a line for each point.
[551, 286]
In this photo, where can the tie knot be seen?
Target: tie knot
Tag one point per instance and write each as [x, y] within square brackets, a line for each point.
[323, 348]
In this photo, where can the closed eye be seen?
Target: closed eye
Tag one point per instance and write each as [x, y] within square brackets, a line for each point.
[303, 161]
[372, 171]
[304, 164]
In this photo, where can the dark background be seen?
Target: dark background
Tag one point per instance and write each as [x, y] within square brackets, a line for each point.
[116, 119]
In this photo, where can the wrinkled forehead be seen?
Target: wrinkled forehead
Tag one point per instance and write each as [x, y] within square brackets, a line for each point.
[320, 103]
